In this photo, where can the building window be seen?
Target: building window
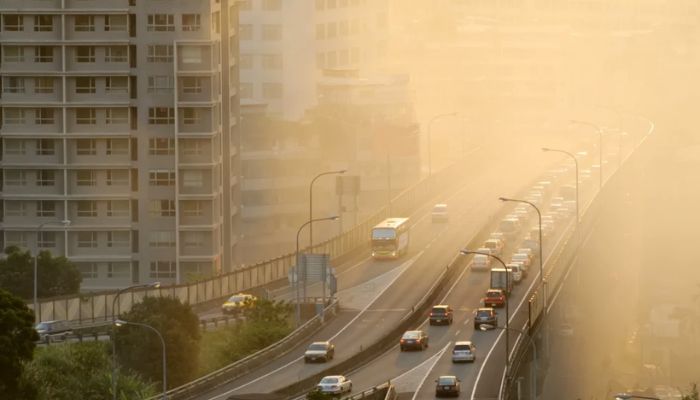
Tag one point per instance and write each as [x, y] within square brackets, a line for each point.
[193, 240]
[191, 85]
[161, 239]
[272, 61]
[43, 23]
[87, 239]
[191, 22]
[115, 23]
[118, 270]
[245, 5]
[161, 146]
[12, 23]
[85, 116]
[160, 53]
[162, 208]
[163, 269]
[161, 177]
[86, 147]
[193, 147]
[18, 239]
[272, 5]
[87, 208]
[320, 5]
[16, 177]
[13, 84]
[116, 116]
[116, 54]
[161, 116]
[245, 31]
[332, 30]
[43, 85]
[192, 208]
[15, 147]
[86, 177]
[246, 90]
[44, 116]
[161, 23]
[43, 54]
[84, 84]
[16, 209]
[191, 54]
[88, 270]
[272, 90]
[192, 178]
[245, 61]
[117, 146]
[118, 239]
[191, 116]
[160, 84]
[85, 54]
[45, 147]
[272, 32]
[117, 177]
[13, 116]
[117, 84]
[13, 54]
[320, 60]
[47, 240]
[45, 177]
[118, 208]
[320, 31]
[84, 23]
[45, 208]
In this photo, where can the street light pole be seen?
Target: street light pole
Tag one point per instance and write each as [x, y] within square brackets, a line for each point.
[627, 396]
[539, 216]
[600, 148]
[466, 252]
[162, 343]
[573, 157]
[298, 267]
[534, 352]
[65, 223]
[114, 330]
[430, 151]
[311, 202]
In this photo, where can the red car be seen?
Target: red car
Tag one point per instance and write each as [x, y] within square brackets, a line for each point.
[495, 298]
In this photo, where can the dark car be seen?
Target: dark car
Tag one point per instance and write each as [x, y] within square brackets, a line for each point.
[441, 314]
[447, 385]
[319, 351]
[485, 315]
[495, 298]
[414, 340]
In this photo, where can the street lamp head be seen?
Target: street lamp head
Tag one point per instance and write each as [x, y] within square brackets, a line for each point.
[342, 171]
[334, 218]
[546, 149]
[503, 199]
[120, 322]
[154, 285]
[66, 222]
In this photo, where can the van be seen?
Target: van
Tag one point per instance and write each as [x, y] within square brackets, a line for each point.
[439, 213]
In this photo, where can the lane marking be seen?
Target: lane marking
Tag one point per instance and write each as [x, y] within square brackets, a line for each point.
[458, 332]
[405, 267]
[422, 381]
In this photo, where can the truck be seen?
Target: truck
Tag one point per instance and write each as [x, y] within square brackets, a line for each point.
[500, 281]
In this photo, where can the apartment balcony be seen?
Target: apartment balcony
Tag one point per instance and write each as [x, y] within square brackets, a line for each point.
[197, 152]
[194, 58]
[198, 243]
[101, 30]
[14, 5]
[31, 95]
[52, 239]
[195, 89]
[98, 243]
[50, 33]
[198, 213]
[82, 90]
[98, 59]
[95, 120]
[28, 62]
[98, 5]
[196, 181]
[196, 120]
[99, 183]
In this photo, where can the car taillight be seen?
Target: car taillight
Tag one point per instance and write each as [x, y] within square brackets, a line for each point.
[402, 341]
[431, 314]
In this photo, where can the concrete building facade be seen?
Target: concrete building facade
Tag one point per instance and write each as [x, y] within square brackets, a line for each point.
[120, 116]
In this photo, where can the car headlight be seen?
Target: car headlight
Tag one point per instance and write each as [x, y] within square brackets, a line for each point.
[393, 253]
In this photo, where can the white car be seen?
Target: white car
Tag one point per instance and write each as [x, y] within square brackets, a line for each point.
[516, 271]
[523, 258]
[495, 245]
[485, 250]
[481, 262]
[439, 213]
[335, 384]
[526, 250]
[464, 351]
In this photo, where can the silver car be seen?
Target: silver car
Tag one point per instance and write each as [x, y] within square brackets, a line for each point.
[463, 351]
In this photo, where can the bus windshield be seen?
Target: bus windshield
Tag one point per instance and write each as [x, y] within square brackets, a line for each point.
[383, 233]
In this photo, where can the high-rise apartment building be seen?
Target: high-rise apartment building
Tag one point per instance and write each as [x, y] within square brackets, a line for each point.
[120, 116]
[285, 45]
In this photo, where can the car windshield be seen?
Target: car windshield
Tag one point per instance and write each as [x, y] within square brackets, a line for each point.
[383, 233]
[437, 310]
[318, 346]
[41, 326]
[462, 347]
[484, 313]
[411, 335]
[446, 380]
[493, 294]
[329, 380]
[236, 299]
[440, 208]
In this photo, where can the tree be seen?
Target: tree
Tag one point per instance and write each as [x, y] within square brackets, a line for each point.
[140, 349]
[81, 371]
[57, 275]
[693, 395]
[317, 394]
[17, 337]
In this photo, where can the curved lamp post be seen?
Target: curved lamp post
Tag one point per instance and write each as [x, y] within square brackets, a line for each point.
[298, 269]
[466, 252]
[120, 322]
[600, 148]
[311, 202]
[430, 150]
[486, 327]
[573, 157]
[114, 330]
[65, 223]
